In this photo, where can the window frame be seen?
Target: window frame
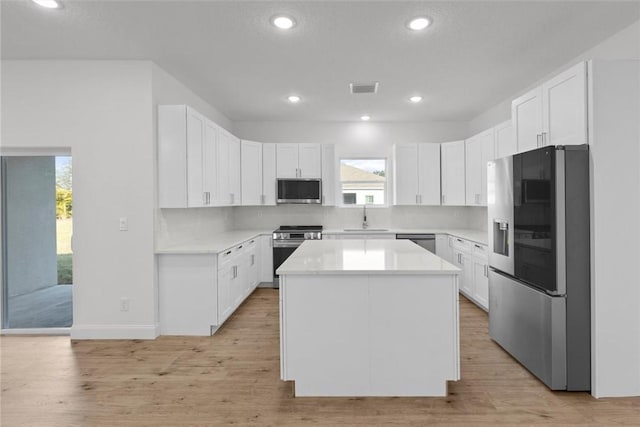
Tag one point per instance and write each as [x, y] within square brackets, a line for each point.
[339, 194]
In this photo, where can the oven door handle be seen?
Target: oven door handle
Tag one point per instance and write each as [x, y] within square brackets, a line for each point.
[286, 244]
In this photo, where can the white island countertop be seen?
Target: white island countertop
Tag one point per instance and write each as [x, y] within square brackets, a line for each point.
[364, 256]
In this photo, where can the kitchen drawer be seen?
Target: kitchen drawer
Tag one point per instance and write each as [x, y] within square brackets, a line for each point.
[226, 258]
[480, 251]
[462, 245]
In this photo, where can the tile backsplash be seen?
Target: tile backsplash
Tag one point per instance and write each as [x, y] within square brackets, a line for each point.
[182, 225]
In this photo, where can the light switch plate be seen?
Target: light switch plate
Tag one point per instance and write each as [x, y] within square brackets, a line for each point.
[124, 223]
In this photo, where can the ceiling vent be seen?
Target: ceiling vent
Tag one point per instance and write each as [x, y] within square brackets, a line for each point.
[358, 88]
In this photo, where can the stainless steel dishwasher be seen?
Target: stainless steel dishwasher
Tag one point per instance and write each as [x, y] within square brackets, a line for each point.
[427, 241]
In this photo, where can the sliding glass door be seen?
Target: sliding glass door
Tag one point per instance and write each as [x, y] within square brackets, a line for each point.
[37, 223]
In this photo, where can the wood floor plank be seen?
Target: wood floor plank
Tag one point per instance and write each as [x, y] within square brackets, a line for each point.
[233, 378]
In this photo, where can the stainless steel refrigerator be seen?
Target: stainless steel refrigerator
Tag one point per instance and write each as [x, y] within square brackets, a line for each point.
[539, 280]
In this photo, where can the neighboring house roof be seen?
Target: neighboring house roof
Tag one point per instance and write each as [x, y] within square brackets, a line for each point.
[349, 173]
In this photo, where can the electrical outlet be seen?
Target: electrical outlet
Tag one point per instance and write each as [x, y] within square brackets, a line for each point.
[124, 223]
[124, 304]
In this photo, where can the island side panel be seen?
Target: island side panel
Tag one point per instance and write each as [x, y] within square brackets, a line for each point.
[325, 340]
[413, 334]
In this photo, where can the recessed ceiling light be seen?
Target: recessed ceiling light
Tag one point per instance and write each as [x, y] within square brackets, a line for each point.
[415, 99]
[419, 23]
[49, 4]
[283, 22]
[293, 99]
[365, 118]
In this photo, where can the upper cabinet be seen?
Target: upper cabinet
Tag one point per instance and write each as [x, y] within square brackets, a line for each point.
[505, 143]
[453, 173]
[298, 160]
[328, 175]
[526, 115]
[187, 158]
[251, 171]
[229, 177]
[564, 107]
[554, 113]
[416, 174]
[269, 174]
[198, 161]
[479, 150]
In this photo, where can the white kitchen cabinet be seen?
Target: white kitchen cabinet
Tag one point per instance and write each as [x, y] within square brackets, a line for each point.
[251, 170]
[462, 257]
[564, 107]
[198, 292]
[416, 174]
[444, 248]
[505, 144]
[187, 294]
[298, 161]
[554, 113]
[473, 281]
[186, 158]
[252, 249]
[229, 166]
[226, 275]
[287, 160]
[310, 160]
[235, 180]
[266, 259]
[328, 175]
[480, 290]
[269, 174]
[479, 150]
[453, 173]
[526, 119]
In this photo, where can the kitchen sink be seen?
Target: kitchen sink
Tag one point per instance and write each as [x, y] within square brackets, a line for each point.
[366, 230]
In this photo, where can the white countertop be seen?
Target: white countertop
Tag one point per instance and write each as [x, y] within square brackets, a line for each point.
[355, 256]
[212, 244]
[477, 236]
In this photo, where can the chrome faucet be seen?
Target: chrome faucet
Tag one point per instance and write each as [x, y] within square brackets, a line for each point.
[364, 217]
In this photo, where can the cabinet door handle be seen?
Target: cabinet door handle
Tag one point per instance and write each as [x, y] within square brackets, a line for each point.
[253, 259]
[443, 199]
[417, 203]
[486, 271]
[262, 199]
[544, 139]
[420, 198]
[204, 198]
[539, 140]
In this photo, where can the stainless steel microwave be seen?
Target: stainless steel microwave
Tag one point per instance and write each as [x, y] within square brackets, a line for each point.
[299, 191]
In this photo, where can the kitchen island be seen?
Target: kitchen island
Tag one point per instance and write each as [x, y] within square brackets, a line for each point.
[368, 318]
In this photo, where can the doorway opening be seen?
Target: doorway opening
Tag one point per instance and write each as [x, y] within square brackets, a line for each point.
[37, 256]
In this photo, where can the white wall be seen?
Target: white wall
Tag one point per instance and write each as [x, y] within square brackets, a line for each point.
[101, 110]
[615, 227]
[622, 45]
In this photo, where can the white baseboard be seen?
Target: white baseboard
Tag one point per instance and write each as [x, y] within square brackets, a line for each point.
[114, 332]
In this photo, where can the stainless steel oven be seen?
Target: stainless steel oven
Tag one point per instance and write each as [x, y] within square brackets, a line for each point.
[287, 239]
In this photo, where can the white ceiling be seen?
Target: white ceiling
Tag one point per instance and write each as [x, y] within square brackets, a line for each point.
[475, 54]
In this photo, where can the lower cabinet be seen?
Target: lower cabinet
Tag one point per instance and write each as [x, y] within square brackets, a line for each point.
[473, 281]
[198, 292]
[444, 247]
[265, 259]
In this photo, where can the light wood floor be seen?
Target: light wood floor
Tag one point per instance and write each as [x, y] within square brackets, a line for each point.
[233, 378]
